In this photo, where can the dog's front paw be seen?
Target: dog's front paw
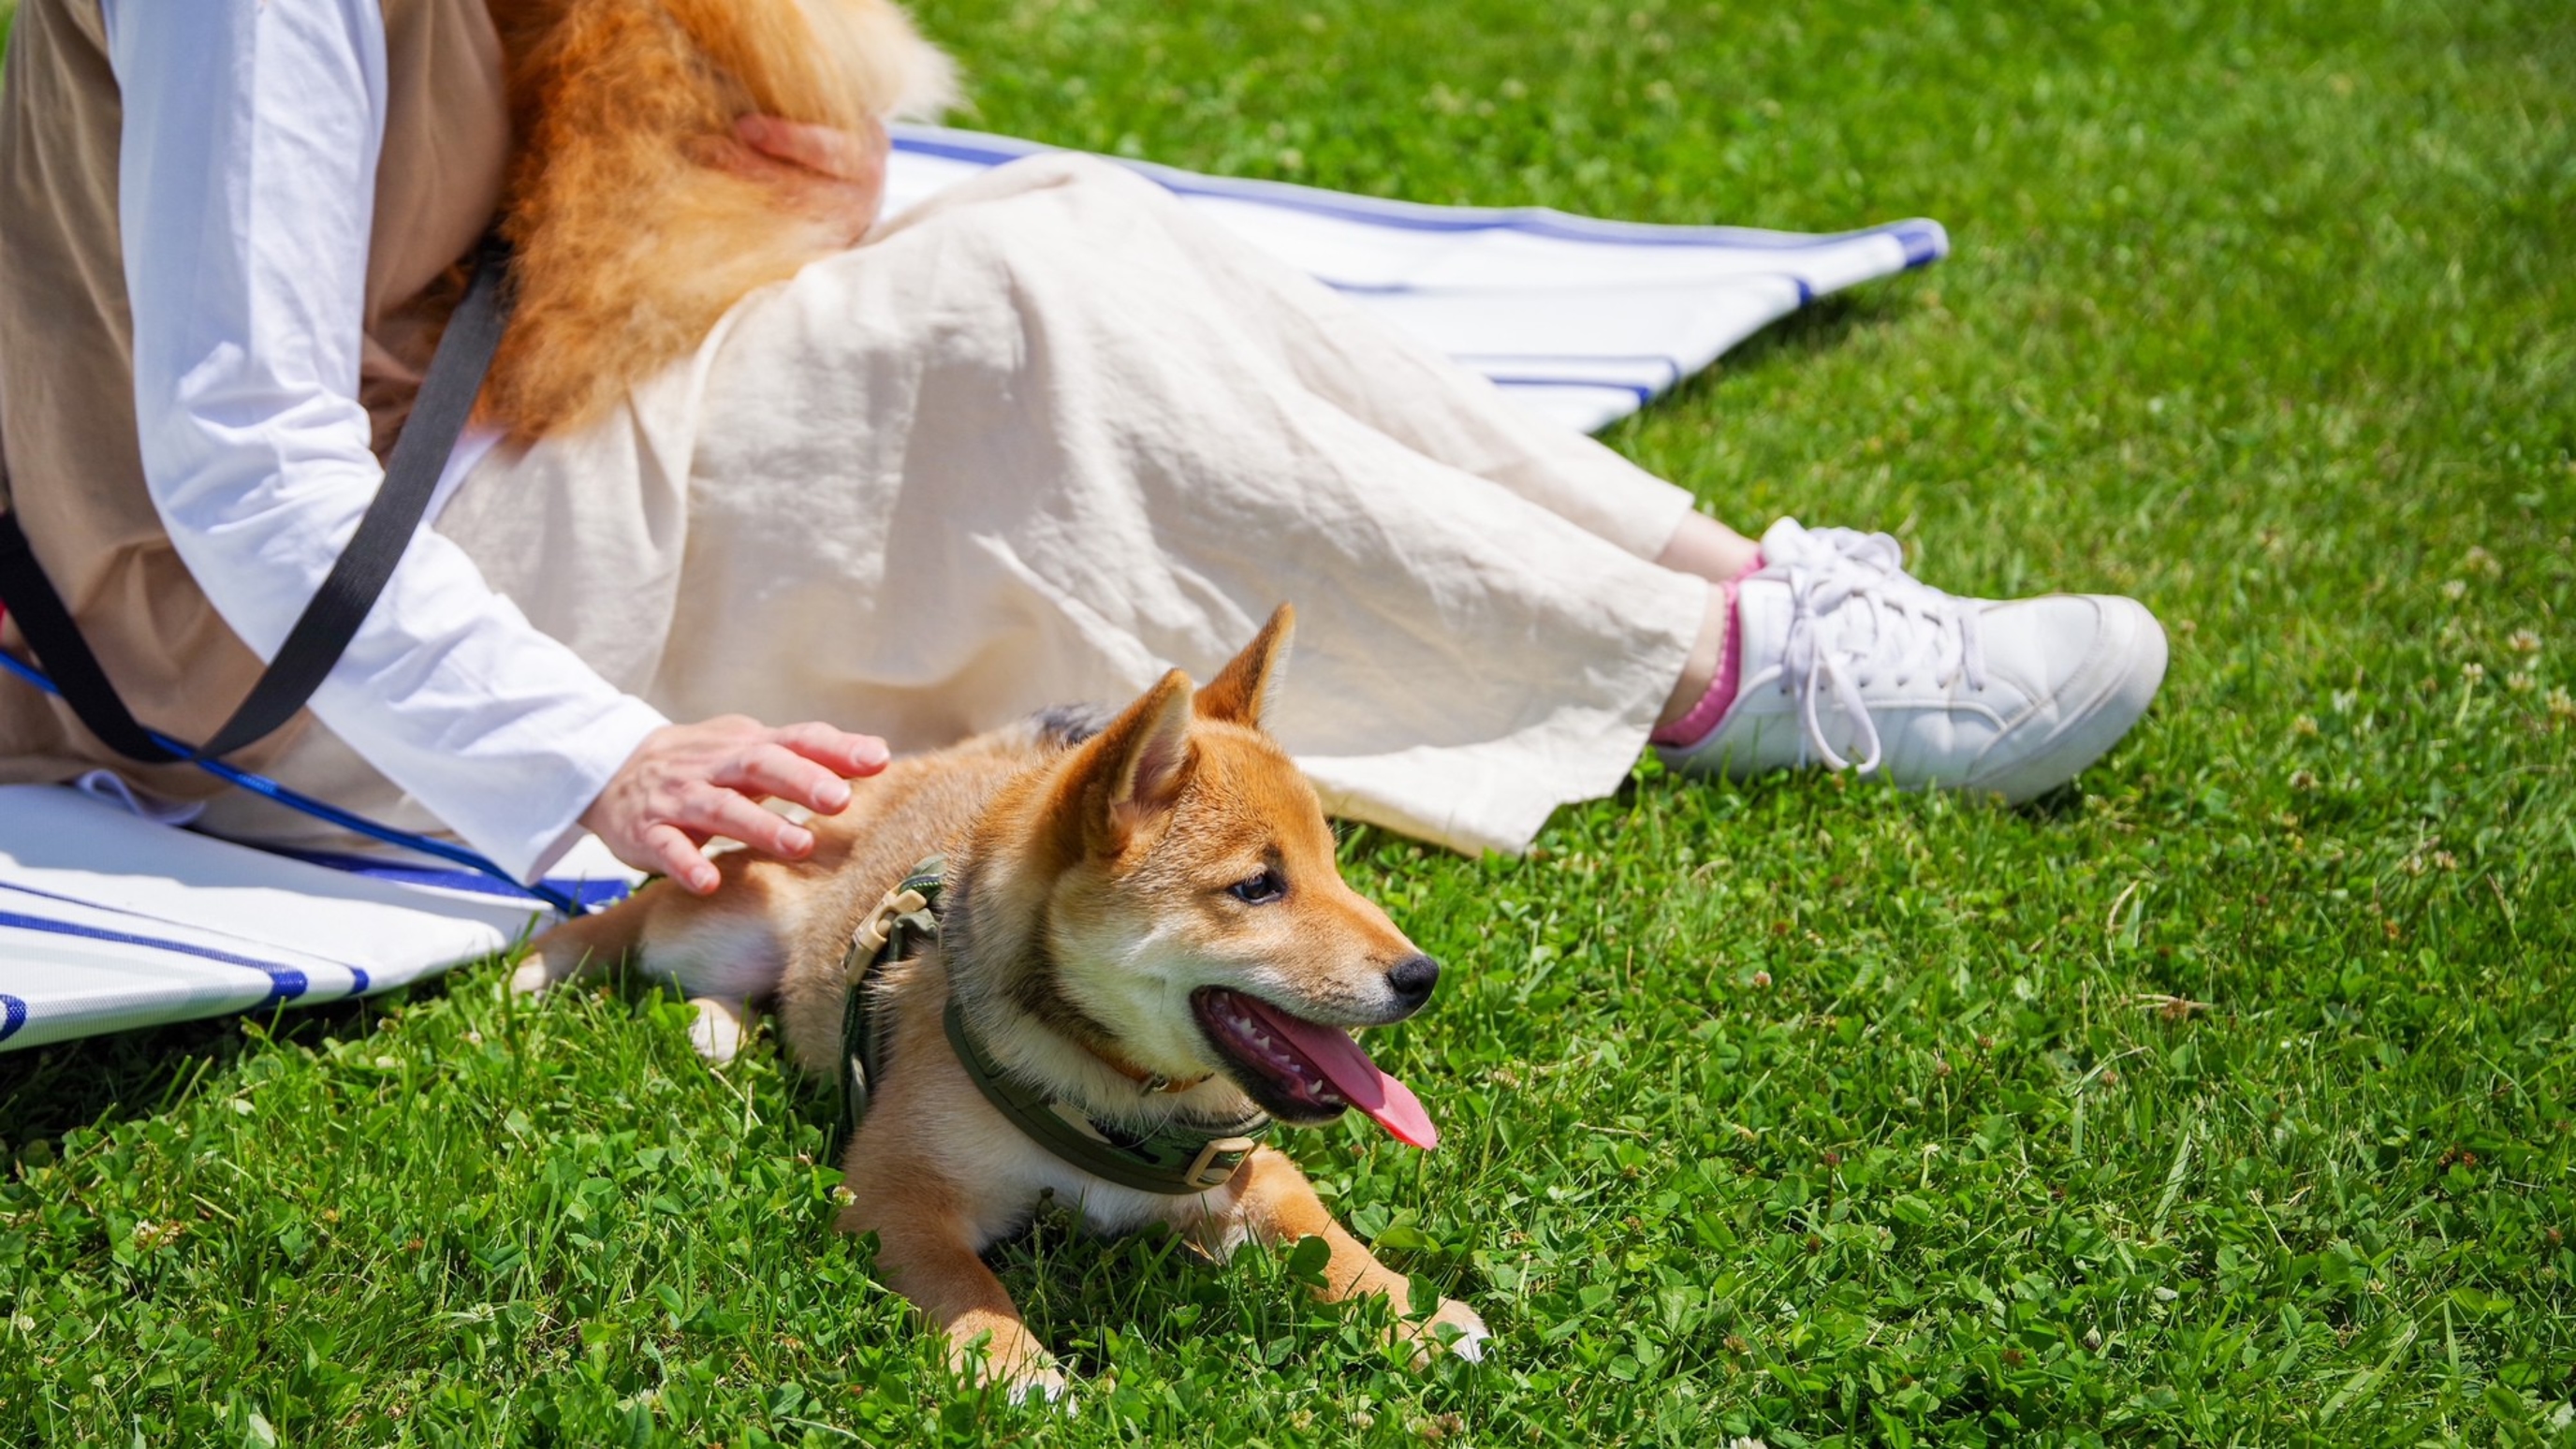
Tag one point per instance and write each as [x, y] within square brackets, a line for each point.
[1011, 1357]
[1468, 1342]
[534, 977]
[1046, 1383]
[716, 1029]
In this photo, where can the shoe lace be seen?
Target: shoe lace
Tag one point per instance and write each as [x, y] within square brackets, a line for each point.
[1856, 616]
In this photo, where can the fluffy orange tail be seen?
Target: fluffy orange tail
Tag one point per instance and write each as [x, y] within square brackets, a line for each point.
[631, 240]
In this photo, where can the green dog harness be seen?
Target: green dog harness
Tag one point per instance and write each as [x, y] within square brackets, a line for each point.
[1176, 1159]
[902, 924]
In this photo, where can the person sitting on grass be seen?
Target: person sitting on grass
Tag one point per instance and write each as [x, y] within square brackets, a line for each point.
[1031, 442]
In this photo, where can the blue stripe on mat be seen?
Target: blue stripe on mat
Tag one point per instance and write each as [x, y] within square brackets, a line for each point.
[1672, 366]
[1642, 394]
[1806, 291]
[357, 973]
[13, 1015]
[285, 983]
[1916, 236]
[587, 892]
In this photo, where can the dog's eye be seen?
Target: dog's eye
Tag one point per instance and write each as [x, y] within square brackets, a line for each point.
[1260, 890]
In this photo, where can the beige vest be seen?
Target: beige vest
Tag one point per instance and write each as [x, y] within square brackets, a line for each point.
[70, 465]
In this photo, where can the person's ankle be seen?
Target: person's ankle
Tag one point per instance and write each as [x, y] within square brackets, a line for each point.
[1705, 548]
[1704, 715]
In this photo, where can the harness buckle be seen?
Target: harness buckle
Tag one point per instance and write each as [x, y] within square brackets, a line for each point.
[1216, 1163]
[878, 928]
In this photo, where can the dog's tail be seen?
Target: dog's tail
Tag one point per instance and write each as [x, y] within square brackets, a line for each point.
[586, 944]
[829, 62]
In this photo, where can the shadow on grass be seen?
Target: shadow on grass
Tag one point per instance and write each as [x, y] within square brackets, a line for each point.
[100, 1081]
[1813, 330]
[1818, 327]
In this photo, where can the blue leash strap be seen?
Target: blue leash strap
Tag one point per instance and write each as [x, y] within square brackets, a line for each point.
[329, 620]
[269, 789]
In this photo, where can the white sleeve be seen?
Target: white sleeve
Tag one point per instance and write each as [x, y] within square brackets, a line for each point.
[252, 129]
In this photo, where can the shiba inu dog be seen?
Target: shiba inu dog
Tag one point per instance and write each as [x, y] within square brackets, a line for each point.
[1144, 940]
[633, 232]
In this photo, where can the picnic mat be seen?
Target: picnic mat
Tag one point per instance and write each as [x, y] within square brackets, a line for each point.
[1581, 321]
[109, 920]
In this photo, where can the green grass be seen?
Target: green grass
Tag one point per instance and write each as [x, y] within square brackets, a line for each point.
[2226, 1100]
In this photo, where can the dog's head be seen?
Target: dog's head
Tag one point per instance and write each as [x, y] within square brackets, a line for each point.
[1195, 920]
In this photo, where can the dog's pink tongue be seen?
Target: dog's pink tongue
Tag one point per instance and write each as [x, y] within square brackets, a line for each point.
[1349, 1069]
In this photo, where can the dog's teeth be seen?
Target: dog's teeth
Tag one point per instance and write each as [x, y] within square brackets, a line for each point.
[1297, 1078]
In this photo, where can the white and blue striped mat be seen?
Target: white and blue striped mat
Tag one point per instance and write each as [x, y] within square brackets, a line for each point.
[1583, 321]
[109, 921]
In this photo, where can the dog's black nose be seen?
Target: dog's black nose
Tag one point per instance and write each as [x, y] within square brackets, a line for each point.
[1412, 980]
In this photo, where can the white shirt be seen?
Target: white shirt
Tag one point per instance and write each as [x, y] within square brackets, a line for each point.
[251, 135]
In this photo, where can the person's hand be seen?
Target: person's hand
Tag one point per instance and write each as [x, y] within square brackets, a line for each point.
[836, 174]
[688, 783]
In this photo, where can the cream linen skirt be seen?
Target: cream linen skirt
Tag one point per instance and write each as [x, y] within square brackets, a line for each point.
[1048, 435]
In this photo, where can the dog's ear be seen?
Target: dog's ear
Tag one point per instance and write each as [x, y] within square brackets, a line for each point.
[1243, 690]
[1135, 770]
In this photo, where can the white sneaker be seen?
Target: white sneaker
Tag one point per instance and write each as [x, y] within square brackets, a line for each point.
[1851, 663]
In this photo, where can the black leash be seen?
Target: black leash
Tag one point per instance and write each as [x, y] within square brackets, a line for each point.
[331, 619]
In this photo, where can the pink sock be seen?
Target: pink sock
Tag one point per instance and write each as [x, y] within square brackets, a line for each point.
[1695, 726]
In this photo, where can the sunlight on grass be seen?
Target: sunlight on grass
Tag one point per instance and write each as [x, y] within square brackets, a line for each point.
[2225, 1098]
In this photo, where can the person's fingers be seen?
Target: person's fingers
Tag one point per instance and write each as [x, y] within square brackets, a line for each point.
[667, 850]
[845, 754]
[774, 769]
[850, 155]
[816, 148]
[868, 149]
[825, 190]
[719, 811]
[758, 132]
[735, 155]
[687, 784]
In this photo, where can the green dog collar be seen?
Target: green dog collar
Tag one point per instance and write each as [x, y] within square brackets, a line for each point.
[1175, 1160]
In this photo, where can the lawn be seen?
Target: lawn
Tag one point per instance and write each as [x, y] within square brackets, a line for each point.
[2224, 1098]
